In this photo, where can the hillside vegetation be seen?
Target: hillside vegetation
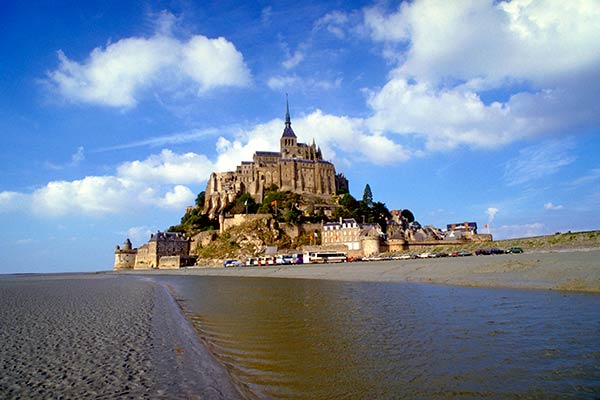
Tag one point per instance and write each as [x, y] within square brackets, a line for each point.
[288, 207]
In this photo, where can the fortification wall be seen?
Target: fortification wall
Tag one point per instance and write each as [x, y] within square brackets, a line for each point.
[145, 259]
[239, 219]
[169, 262]
[124, 259]
[370, 246]
[482, 237]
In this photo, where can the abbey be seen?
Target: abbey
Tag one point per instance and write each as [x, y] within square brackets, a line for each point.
[297, 167]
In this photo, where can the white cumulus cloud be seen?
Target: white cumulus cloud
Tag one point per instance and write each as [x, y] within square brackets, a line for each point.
[158, 181]
[331, 133]
[115, 74]
[90, 195]
[179, 197]
[168, 167]
[491, 40]
[544, 54]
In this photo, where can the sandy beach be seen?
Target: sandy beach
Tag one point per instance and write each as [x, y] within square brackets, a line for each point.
[98, 336]
[572, 270]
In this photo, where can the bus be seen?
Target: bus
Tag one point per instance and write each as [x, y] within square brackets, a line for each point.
[324, 257]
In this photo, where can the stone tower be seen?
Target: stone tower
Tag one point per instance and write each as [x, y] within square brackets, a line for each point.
[288, 140]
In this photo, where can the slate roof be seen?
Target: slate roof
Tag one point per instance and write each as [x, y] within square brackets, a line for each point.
[268, 153]
[288, 131]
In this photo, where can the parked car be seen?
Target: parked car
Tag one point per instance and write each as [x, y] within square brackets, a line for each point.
[495, 250]
[464, 253]
[232, 263]
[514, 250]
[483, 252]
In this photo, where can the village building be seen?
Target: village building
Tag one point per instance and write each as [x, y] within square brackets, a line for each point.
[297, 167]
[464, 229]
[361, 239]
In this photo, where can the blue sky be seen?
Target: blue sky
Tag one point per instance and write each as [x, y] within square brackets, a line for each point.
[113, 114]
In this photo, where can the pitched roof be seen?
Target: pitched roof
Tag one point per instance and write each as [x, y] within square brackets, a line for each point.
[268, 153]
[288, 131]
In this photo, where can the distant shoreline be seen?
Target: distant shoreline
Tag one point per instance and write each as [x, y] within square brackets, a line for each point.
[576, 270]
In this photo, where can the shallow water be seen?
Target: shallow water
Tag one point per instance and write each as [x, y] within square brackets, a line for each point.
[311, 339]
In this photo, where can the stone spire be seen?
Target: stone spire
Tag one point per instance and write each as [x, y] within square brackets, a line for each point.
[288, 131]
[288, 121]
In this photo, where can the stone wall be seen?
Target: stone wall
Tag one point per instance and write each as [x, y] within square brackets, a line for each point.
[370, 246]
[169, 262]
[239, 219]
[482, 237]
[144, 260]
[124, 259]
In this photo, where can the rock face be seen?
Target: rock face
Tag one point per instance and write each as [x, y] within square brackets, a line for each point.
[297, 167]
[241, 241]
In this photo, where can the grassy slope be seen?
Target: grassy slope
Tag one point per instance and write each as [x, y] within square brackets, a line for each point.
[561, 241]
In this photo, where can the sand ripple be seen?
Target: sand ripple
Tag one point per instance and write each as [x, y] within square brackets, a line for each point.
[99, 337]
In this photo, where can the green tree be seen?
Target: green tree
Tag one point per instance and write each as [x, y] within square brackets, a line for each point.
[200, 199]
[292, 215]
[367, 196]
[380, 214]
[242, 203]
[193, 222]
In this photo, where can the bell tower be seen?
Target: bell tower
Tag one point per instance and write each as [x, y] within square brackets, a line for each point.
[288, 139]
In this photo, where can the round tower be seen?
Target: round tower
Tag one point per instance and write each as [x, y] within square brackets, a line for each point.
[125, 256]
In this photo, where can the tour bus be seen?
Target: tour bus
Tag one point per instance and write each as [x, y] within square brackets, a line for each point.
[325, 257]
[266, 260]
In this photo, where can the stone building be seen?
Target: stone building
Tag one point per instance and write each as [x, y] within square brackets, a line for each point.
[360, 239]
[464, 229]
[346, 232]
[125, 256]
[163, 250]
[297, 167]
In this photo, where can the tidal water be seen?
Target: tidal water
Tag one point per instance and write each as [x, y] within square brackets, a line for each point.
[311, 339]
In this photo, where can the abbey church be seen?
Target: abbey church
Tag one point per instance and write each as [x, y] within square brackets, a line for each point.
[297, 167]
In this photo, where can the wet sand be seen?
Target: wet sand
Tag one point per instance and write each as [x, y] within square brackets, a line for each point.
[575, 270]
[101, 336]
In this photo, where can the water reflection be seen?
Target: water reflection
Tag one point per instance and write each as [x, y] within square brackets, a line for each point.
[309, 339]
